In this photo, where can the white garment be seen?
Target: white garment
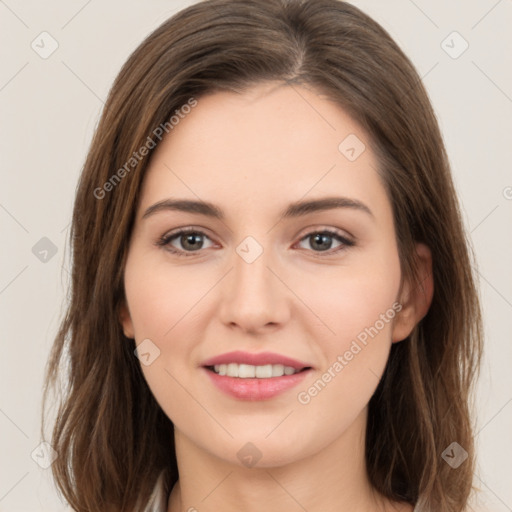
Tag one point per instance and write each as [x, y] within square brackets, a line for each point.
[159, 497]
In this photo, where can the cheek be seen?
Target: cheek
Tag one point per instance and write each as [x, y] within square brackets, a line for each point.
[360, 308]
[355, 298]
[160, 299]
[163, 307]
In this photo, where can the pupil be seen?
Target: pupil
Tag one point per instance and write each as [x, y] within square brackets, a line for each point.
[321, 238]
[192, 240]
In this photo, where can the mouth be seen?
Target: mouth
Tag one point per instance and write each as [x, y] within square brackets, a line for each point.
[254, 376]
[249, 371]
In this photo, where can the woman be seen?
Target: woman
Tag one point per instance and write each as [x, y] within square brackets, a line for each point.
[221, 357]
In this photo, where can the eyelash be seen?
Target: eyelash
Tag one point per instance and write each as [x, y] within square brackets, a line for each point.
[166, 239]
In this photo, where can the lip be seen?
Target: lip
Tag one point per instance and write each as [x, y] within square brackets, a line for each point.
[255, 389]
[258, 359]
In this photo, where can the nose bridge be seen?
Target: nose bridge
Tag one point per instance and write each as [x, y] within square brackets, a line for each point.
[254, 296]
[251, 266]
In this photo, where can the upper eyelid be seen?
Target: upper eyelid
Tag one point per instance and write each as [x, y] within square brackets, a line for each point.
[308, 231]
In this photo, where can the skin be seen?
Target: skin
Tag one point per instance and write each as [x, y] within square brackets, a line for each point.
[253, 154]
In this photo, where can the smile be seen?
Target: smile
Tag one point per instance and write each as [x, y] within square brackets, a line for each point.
[249, 371]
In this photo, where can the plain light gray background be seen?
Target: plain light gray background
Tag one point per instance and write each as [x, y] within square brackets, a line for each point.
[49, 109]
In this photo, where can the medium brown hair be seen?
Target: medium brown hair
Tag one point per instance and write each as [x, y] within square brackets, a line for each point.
[112, 437]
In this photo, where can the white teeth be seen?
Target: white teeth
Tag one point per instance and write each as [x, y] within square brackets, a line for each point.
[277, 370]
[245, 371]
[264, 372]
[248, 371]
[232, 370]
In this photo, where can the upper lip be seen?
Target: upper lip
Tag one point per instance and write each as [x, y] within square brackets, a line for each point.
[259, 359]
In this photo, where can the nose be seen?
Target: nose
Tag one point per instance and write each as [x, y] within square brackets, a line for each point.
[254, 297]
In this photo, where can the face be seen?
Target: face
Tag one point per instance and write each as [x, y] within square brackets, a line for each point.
[318, 285]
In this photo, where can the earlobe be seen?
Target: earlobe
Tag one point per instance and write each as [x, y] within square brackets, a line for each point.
[416, 298]
[126, 320]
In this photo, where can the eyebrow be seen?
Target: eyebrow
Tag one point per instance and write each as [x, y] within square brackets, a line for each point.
[297, 209]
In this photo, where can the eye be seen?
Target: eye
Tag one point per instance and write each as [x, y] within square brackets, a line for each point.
[322, 241]
[190, 240]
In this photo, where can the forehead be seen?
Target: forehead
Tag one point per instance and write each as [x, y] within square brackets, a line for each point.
[269, 145]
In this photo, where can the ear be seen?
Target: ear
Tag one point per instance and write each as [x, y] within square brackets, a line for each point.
[415, 297]
[126, 320]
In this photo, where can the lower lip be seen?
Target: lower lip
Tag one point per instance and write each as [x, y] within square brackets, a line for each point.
[255, 389]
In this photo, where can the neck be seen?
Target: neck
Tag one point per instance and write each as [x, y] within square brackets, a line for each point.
[333, 479]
